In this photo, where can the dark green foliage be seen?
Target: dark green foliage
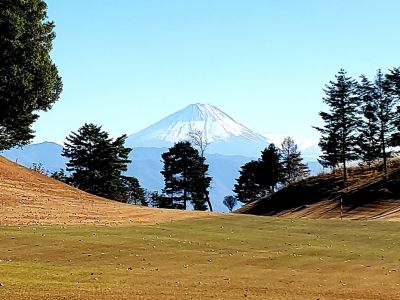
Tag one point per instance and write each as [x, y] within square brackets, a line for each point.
[185, 176]
[292, 163]
[393, 88]
[230, 202]
[329, 144]
[133, 192]
[270, 171]
[29, 81]
[378, 105]
[162, 201]
[338, 136]
[96, 161]
[260, 177]
[60, 175]
[247, 186]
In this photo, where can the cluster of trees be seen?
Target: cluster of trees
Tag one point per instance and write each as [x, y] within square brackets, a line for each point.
[97, 163]
[363, 120]
[275, 167]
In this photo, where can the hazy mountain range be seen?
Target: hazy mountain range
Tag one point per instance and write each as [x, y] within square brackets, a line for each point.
[231, 145]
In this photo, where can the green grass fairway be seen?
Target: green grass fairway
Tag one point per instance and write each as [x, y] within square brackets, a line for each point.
[228, 257]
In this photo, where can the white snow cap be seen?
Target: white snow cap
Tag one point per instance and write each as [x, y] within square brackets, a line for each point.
[211, 121]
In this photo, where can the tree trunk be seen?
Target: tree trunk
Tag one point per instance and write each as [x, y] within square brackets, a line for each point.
[184, 199]
[209, 203]
[344, 171]
[384, 155]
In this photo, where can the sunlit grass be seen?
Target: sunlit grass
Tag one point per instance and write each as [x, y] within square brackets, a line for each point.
[229, 257]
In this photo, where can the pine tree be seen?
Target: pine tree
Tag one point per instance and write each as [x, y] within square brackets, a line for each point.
[29, 81]
[133, 193]
[368, 139]
[292, 162]
[96, 161]
[328, 143]
[339, 134]
[247, 187]
[270, 170]
[393, 88]
[377, 127]
[258, 178]
[184, 178]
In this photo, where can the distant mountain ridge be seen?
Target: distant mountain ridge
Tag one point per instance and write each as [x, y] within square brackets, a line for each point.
[231, 146]
[225, 135]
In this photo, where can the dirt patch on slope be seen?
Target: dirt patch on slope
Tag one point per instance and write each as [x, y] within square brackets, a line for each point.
[27, 197]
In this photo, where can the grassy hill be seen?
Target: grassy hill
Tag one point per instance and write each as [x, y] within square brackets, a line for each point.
[56, 242]
[27, 197]
[227, 257]
[367, 195]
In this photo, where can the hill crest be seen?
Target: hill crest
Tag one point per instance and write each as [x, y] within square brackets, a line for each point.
[325, 197]
[28, 197]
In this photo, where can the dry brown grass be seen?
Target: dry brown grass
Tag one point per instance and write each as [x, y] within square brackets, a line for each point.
[30, 198]
[228, 257]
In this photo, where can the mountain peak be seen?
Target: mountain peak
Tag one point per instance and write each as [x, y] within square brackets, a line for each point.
[216, 126]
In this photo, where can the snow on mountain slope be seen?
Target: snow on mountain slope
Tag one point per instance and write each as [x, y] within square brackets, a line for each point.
[225, 135]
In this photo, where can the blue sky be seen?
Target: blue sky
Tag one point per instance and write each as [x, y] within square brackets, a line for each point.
[128, 63]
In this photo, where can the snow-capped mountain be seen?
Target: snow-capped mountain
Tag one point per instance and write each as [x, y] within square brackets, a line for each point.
[225, 135]
[231, 145]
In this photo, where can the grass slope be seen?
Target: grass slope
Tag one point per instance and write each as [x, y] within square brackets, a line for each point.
[368, 196]
[228, 257]
[30, 198]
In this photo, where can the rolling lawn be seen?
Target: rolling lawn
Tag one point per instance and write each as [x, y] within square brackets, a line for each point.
[226, 257]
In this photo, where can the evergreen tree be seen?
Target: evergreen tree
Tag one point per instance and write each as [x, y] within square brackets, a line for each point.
[230, 202]
[377, 127]
[292, 163]
[160, 201]
[339, 134]
[368, 139]
[184, 178]
[393, 88]
[270, 170]
[29, 81]
[133, 192]
[328, 142]
[258, 178]
[247, 187]
[96, 161]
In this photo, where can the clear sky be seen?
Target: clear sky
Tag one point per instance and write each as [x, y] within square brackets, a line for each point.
[126, 64]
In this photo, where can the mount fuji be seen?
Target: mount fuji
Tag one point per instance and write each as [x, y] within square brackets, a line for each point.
[224, 135]
[231, 145]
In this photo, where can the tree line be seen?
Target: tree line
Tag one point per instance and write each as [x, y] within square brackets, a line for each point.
[277, 167]
[363, 119]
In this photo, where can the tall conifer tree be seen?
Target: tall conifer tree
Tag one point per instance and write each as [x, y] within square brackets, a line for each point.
[341, 122]
[96, 161]
[292, 162]
[377, 127]
[393, 87]
[185, 176]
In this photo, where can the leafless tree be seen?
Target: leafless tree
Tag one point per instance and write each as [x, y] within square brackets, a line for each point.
[199, 141]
